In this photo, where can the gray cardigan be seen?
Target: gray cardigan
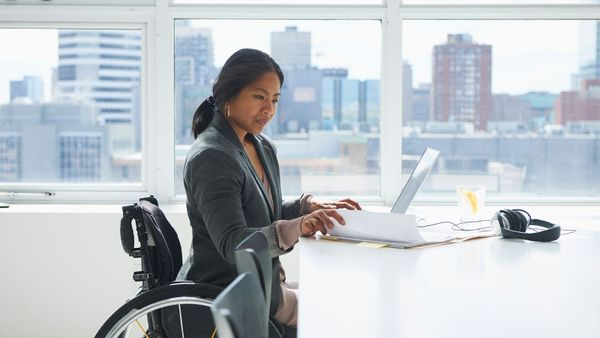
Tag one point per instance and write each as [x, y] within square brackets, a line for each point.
[226, 202]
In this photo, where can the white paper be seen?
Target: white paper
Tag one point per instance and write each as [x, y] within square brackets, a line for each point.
[377, 226]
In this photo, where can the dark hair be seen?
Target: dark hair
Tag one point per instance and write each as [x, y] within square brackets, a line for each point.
[241, 69]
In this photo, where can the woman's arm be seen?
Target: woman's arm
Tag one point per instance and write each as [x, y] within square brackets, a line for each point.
[296, 208]
[214, 182]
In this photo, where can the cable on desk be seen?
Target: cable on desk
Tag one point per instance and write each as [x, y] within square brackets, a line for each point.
[458, 227]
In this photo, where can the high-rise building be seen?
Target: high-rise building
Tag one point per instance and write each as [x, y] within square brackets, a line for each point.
[331, 104]
[100, 67]
[194, 74]
[350, 103]
[291, 49]
[11, 152]
[30, 87]
[589, 49]
[506, 107]
[299, 107]
[75, 147]
[462, 81]
[407, 94]
[581, 105]
[80, 156]
[369, 108]
[194, 64]
[421, 103]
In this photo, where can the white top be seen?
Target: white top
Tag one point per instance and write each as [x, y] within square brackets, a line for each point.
[490, 287]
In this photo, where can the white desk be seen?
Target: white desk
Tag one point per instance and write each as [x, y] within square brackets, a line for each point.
[484, 288]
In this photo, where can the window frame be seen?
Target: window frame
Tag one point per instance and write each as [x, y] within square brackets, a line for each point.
[157, 24]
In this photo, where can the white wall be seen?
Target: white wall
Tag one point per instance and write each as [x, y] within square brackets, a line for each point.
[63, 271]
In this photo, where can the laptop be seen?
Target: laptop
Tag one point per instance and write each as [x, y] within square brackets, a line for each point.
[416, 179]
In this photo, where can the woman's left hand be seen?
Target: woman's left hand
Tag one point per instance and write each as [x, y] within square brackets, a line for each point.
[345, 203]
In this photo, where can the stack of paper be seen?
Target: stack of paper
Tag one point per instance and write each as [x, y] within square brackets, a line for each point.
[392, 229]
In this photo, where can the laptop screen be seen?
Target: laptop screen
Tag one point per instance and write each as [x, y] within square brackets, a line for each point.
[418, 175]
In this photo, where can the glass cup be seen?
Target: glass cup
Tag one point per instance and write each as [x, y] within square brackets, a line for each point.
[471, 202]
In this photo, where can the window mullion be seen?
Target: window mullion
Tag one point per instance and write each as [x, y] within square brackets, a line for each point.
[391, 118]
[163, 130]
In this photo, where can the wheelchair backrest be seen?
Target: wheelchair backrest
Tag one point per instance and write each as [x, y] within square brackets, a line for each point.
[159, 248]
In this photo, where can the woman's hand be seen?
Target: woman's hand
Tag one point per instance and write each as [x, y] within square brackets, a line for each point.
[346, 203]
[319, 220]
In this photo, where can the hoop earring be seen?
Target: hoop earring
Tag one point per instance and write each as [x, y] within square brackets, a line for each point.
[227, 111]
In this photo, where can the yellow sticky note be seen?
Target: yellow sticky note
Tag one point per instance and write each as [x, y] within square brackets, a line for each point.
[371, 245]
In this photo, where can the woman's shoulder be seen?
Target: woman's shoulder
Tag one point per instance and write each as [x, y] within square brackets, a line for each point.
[211, 146]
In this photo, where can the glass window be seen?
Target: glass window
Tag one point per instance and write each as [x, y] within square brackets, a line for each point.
[279, 2]
[70, 106]
[496, 2]
[513, 105]
[327, 125]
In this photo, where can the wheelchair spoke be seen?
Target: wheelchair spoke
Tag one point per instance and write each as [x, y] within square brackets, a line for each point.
[142, 328]
[181, 321]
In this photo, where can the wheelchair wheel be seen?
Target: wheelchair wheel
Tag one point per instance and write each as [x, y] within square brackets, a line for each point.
[176, 310]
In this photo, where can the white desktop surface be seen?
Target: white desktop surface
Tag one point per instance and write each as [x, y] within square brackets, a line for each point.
[490, 287]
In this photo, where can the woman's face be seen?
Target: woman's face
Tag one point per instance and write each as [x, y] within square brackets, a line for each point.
[255, 106]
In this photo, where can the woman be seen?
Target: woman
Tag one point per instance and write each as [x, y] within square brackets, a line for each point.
[232, 183]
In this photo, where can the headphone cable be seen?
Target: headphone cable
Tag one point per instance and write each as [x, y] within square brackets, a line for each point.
[458, 227]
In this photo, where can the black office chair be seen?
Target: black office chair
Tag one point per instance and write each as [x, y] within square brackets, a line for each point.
[161, 307]
[253, 255]
[239, 311]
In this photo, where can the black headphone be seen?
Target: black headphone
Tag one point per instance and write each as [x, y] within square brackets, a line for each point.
[515, 222]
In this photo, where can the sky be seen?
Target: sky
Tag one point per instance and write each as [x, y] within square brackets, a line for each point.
[526, 55]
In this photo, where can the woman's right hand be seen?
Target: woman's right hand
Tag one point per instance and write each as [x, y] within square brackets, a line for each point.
[319, 220]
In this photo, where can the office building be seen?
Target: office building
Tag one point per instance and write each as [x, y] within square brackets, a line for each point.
[11, 153]
[30, 87]
[291, 48]
[589, 49]
[369, 109]
[407, 94]
[80, 155]
[194, 64]
[546, 162]
[102, 68]
[349, 104]
[194, 74]
[75, 147]
[421, 103]
[331, 105]
[461, 81]
[299, 109]
[511, 108]
[581, 105]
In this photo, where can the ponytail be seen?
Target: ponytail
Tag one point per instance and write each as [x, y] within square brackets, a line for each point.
[203, 115]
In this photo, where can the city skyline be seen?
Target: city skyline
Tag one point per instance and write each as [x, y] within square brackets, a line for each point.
[536, 67]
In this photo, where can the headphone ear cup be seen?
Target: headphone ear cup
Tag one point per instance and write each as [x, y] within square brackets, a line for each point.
[522, 223]
[502, 220]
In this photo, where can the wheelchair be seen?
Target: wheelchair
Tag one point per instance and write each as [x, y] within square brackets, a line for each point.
[161, 307]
